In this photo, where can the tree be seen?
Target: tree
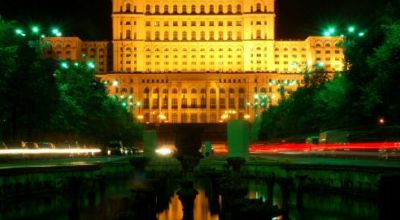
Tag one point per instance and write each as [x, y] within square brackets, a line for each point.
[26, 81]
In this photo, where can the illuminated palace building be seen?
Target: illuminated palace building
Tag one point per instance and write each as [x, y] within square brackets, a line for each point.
[199, 61]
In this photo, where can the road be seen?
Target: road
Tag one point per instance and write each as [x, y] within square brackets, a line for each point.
[60, 162]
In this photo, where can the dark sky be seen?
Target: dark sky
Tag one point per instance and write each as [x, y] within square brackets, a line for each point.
[91, 19]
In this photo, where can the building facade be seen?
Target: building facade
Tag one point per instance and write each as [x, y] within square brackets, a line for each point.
[199, 61]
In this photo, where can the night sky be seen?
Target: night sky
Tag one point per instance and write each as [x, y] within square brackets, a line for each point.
[91, 19]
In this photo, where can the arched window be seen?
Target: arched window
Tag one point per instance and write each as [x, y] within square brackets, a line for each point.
[238, 9]
[263, 90]
[221, 91]
[184, 91]
[203, 91]
[258, 35]
[212, 91]
[184, 35]
[175, 35]
[258, 7]
[202, 9]
[157, 9]
[148, 9]
[239, 35]
[211, 9]
[328, 45]
[203, 35]
[157, 35]
[166, 35]
[221, 35]
[175, 91]
[193, 9]
[220, 9]
[165, 91]
[166, 9]
[241, 91]
[230, 35]
[193, 35]
[194, 91]
[184, 11]
[175, 9]
[156, 91]
[231, 91]
[230, 9]
[211, 35]
[128, 7]
[146, 91]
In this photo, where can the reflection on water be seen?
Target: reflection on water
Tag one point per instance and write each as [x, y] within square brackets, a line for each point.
[318, 205]
[119, 202]
[201, 209]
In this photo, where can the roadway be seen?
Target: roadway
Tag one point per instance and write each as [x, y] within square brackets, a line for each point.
[75, 161]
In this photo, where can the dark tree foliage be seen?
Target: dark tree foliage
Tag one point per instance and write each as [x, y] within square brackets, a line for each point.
[374, 70]
[40, 100]
[28, 93]
[356, 98]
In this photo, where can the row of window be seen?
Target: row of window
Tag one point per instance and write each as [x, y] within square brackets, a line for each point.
[193, 23]
[194, 35]
[184, 9]
[223, 103]
[192, 118]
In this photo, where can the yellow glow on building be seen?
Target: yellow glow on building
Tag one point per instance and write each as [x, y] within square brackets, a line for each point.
[193, 61]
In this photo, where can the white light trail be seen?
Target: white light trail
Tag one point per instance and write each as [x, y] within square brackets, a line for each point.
[48, 151]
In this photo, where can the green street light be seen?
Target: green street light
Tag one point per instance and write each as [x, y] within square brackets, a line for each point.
[361, 34]
[55, 31]
[64, 65]
[35, 29]
[332, 30]
[91, 65]
[351, 29]
[320, 64]
[20, 32]
[327, 34]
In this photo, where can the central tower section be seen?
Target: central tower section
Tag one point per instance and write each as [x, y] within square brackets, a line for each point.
[162, 36]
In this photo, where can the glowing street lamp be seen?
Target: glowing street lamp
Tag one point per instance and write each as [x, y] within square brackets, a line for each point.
[35, 29]
[140, 117]
[115, 83]
[64, 65]
[56, 32]
[361, 34]
[91, 65]
[20, 32]
[381, 121]
[351, 29]
[327, 34]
